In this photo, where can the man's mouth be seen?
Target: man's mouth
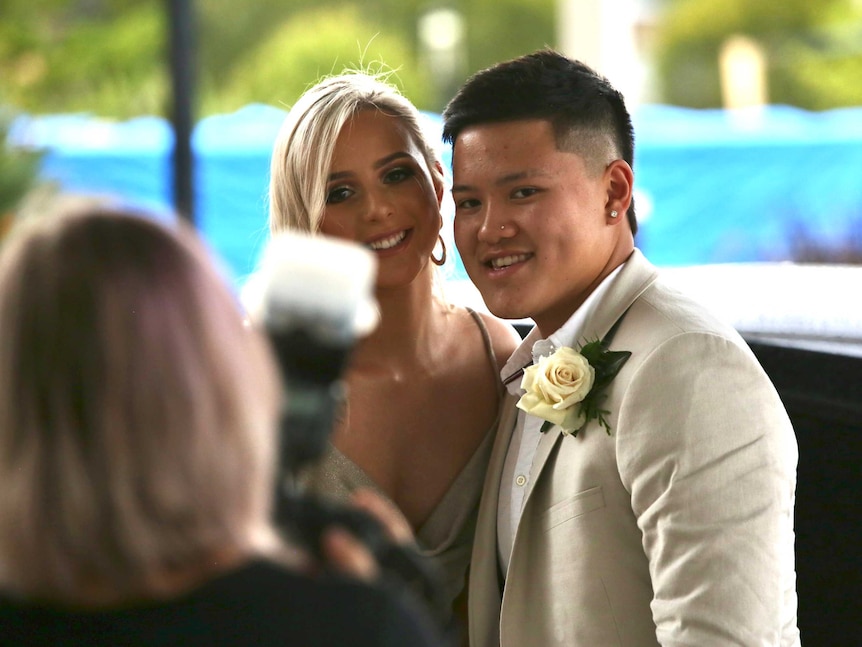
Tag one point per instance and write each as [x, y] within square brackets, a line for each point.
[503, 262]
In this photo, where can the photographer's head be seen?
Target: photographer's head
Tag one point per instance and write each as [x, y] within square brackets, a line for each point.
[137, 411]
[587, 114]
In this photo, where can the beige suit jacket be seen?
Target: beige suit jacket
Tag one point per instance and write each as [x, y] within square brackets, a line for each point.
[677, 529]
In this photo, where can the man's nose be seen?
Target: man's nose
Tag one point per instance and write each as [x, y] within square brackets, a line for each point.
[496, 225]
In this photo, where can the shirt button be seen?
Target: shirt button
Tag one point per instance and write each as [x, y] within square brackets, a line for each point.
[520, 480]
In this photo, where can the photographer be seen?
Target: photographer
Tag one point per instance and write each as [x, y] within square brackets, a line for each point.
[138, 418]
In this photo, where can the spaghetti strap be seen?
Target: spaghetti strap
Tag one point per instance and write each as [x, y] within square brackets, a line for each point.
[489, 350]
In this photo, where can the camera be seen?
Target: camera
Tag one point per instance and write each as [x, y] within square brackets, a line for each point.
[315, 301]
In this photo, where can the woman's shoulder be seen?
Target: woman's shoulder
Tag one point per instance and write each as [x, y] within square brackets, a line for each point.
[502, 336]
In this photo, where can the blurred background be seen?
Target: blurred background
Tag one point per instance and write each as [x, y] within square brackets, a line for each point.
[749, 130]
[748, 163]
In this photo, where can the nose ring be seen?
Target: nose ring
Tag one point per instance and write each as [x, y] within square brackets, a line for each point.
[502, 227]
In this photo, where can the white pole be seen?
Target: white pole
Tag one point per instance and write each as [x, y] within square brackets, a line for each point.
[603, 34]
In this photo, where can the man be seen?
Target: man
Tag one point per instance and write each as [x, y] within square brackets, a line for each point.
[641, 492]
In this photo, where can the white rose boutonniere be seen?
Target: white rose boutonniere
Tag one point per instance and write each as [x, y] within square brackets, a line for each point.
[566, 388]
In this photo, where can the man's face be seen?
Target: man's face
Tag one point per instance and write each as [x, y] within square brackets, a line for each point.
[532, 223]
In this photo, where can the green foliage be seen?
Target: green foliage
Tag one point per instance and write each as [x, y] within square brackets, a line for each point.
[814, 60]
[498, 30]
[108, 57]
[291, 59]
[123, 76]
[19, 169]
[297, 41]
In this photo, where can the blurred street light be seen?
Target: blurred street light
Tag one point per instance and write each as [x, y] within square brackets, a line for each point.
[441, 39]
[612, 37]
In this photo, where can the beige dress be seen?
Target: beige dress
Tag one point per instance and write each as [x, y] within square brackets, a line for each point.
[447, 535]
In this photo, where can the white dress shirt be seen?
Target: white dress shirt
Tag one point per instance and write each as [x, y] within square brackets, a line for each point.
[526, 435]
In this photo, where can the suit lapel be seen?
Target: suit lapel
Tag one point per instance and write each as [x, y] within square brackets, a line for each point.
[543, 450]
[485, 585]
[635, 277]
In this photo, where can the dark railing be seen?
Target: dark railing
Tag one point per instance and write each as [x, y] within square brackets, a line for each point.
[181, 57]
[823, 395]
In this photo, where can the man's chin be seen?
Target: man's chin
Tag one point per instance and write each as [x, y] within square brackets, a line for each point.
[503, 302]
[506, 310]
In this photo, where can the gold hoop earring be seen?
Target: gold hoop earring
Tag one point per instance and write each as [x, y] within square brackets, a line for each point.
[439, 261]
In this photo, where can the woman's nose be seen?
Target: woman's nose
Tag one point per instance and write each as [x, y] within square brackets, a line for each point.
[378, 205]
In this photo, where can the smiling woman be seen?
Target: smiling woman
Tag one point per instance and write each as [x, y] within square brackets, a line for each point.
[351, 161]
[386, 200]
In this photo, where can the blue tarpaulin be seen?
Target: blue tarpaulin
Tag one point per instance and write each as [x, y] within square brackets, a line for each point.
[711, 186]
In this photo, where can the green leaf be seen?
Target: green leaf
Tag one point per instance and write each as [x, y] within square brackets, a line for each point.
[593, 352]
[609, 365]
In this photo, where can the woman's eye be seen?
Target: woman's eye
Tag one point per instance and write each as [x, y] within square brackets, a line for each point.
[337, 195]
[397, 175]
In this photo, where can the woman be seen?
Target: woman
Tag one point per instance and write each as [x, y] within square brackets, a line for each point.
[351, 161]
[137, 454]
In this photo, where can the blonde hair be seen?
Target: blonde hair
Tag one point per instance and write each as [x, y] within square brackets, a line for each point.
[137, 410]
[303, 149]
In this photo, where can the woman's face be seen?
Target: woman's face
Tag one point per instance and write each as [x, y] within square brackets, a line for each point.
[380, 193]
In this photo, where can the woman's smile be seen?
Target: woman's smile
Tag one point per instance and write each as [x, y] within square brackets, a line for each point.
[388, 242]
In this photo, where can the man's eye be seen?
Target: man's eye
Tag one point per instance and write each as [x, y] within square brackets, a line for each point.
[337, 195]
[467, 203]
[525, 192]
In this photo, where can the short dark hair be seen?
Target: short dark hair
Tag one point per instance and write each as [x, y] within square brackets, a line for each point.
[573, 97]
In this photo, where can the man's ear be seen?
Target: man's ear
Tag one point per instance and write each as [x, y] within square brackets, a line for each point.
[620, 184]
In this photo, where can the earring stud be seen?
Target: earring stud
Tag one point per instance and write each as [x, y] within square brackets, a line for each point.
[614, 213]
